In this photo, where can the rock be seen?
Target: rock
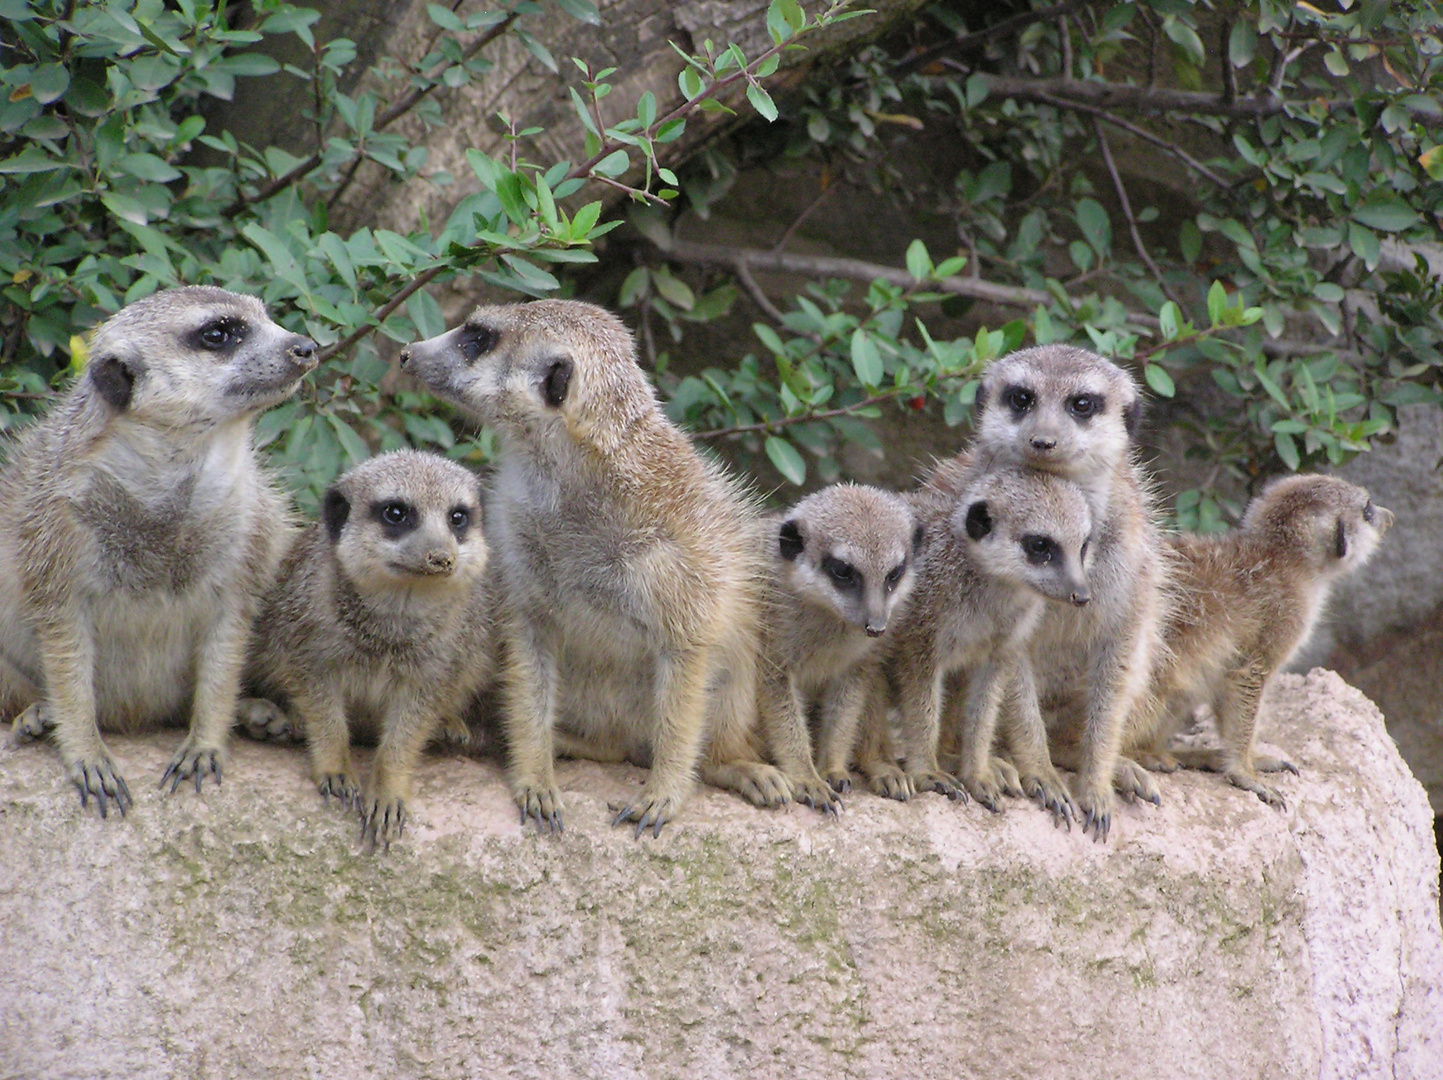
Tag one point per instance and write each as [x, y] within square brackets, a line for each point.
[241, 933]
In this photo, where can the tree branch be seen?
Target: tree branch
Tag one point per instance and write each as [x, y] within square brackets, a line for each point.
[1122, 198]
[1106, 95]
[979, 38]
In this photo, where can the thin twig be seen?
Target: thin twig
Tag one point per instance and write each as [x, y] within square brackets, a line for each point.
[760, 298]
[806, 213]
[982, 37]
[1122, 198]
[803, 418]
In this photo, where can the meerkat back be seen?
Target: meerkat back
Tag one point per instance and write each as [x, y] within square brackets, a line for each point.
[143, 534]
[631, 565]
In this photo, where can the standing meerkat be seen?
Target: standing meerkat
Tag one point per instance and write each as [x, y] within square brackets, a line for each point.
[843, 568]
[631, 567]
[141, 534]
[991, 561]
[379, 620]
[1070, 413]
[1247, 601]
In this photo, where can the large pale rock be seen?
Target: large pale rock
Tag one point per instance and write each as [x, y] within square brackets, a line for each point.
[242, 933]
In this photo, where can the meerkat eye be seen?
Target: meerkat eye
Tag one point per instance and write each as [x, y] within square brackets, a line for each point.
[1084, 406]
[476, 340]
[1370, 515]
[894, 576]
[460, 519]
[394, 514]
[220, 334]
[843, 575]
[1040, 550]
[1018, 398]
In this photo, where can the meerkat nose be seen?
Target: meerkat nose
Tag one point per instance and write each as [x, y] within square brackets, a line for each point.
[303, 352]
[875, 630]
[405, 357]
[1080, 597]
[440, 562]
[1043, 442]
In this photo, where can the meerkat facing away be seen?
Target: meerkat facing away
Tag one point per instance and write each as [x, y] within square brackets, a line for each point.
[842, 561]
[141, 533]
[632, 568]
[1070, 413]
[1247, 601]
[990, 561]
[379, 620]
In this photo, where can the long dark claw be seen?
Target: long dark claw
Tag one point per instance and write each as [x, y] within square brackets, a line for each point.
[1290, 767]
[621, 815]
[198, 775]
[1156, 800]
[656, 829]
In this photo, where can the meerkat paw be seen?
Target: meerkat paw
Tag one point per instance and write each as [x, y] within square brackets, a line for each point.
[1052, 795]
[1133, 781]
[647, 809]
[95, 775]
[940, 782]
[541, 803]
[265, 721]
[383, 819]
[757, 783]
[342, 785]
[818, 794]
[1249, 782]
[996, 779]
[33, 723]
[1157, 761]
[193, 760]
[891, 782]
[839, 780]
[1267, 763]
[1094, 809]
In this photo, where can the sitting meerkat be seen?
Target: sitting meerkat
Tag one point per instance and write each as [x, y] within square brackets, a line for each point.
[990, 562]
[631, 568]
[1248, 600]
[379, 620]
[141, 534]
[1070, 413]
[842, 570]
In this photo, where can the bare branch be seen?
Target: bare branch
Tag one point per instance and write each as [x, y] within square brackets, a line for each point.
[760, 298]
[1106, 95]
[1122, 198]
[979, 38]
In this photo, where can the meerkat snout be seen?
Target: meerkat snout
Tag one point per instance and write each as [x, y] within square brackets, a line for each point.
[303, 352]
[1080, 597]
[1043, 442]
[439, 562]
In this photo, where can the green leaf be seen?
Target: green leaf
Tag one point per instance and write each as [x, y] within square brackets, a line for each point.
[614, 164]
[272, 247]
[584, 10]
[447, 19]
[1169, 320]
[1287, 450]
[584, 221]
[334, 249]
[1160, 381]
[919, 263]
[1242, 43]
[147, 167]
[1432, 162]
[538, 50]
[690, 83]
[1190, 241]
[866, 360]
[673, 289]
[768, 338]
[123, 206]
[785, 457]
[1185, 38]
[1365, 244]
[1336, 62]
[1217, 303]
[426, 314]
[633, 287]
[1386, 212]
[762, 102]
[49, 82]
[1096, 227]
[250, 65]
[33, 160]
[354, 446]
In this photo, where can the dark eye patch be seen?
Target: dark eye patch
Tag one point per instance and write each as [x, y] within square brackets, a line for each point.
[1019, 399]
[1040, 550]
[475, 340]
[1340, 541]
[396, 518]
[1370, 513]
[894, 576]
[1085, 406]
[843, 574]
[222, 334]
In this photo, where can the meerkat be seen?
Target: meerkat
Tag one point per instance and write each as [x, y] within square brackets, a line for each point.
[842, 562]
[379, 620]
[1069, 413]
[1248, 600]
[632, 567]
[141, 534]
[990, 563]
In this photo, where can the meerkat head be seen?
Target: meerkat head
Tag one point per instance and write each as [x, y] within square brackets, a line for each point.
[405, 520]
[850, 550]
[195, 355]
[546, 365]
[1030, 528]
[1058, 408]
[1330, 524]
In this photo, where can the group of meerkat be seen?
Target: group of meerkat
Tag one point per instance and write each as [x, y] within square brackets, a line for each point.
[612, 594]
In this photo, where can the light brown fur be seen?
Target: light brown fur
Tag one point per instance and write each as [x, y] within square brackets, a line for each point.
[378, 626]
[140, 534]
[632, 566]
[1247, 601]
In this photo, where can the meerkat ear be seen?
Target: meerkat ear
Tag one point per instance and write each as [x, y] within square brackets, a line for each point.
[557, 382]
[979, 521]
[1340, 541]
[334, 512]
[918, 535]
[1132, 417]
[790, 540]
[114, 380]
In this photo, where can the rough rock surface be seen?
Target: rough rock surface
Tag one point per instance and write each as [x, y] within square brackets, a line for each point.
[242, 933]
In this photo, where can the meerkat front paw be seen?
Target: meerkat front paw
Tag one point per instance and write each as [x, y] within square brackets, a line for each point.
[839, 780]
[96, 775]
[759, 784]
[193, 760]
[1157, 761]
[940, 782]
[342, 785]
[1051, 793]
[818, 794]
[1267, 763]
[647, 809]
[1094, 807]
[541, 803]
[383, 819]
[33, 723]
[265, 721]
[1133, 781]
[891, 782]
[1249, 782]
[996, 779]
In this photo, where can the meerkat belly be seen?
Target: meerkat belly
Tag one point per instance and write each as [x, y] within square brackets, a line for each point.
[146, 651]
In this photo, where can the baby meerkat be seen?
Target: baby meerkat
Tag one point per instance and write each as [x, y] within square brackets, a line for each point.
[1247, 602]
[990, 561]
[843, 560]
[141, 533]
[379, 620]
[1070, 413]
[631, 567]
